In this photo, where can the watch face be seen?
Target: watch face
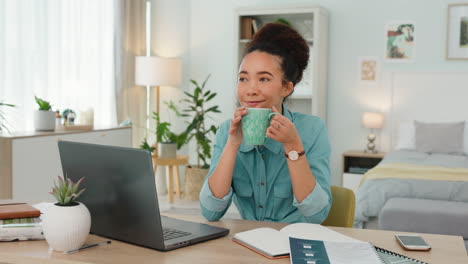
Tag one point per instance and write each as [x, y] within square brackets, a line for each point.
[293, 155]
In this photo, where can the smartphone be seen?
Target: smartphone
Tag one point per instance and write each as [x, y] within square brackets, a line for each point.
[412, 242]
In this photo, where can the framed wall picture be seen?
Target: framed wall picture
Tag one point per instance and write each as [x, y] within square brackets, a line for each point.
[399, 41]
[457, 32]
[369, 69]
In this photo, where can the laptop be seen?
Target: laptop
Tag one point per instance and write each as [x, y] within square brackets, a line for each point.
[121, 197]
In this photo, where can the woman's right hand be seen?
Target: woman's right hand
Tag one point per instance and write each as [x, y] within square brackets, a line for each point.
[235, 132]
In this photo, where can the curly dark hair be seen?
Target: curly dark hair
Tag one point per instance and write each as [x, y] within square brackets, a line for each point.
[283, 41]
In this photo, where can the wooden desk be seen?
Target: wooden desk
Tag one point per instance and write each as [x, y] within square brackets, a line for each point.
[173, 165]
[445, 249]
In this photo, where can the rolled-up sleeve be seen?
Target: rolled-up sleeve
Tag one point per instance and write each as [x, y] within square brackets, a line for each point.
[316, 206]
[213, 208]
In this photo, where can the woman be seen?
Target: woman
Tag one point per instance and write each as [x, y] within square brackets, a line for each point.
[265, 183]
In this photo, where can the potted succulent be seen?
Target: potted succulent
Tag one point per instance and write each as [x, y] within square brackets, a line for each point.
[66, 224]
[44, 118]
[199, 111]
[3, 122]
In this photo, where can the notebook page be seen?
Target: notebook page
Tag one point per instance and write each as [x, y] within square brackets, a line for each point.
[267, 240]
[351, 253]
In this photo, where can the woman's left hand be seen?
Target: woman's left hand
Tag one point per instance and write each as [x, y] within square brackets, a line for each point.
[282, 130]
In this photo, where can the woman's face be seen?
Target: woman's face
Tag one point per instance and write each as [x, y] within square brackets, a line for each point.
[260, 81]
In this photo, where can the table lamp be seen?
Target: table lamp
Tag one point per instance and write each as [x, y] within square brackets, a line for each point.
[157, 71]
[372, 120]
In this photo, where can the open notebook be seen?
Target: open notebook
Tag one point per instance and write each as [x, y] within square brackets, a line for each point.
[339, 248]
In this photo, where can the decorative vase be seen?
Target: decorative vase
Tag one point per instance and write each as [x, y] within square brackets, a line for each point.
[194, 178]
[44, 120]
[167, 150]
[66, 227]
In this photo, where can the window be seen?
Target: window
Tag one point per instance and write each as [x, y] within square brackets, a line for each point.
[61, 51]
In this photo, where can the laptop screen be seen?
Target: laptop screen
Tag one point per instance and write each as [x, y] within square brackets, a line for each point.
[120, 190]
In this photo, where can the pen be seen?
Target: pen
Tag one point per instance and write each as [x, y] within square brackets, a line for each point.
[87, 246]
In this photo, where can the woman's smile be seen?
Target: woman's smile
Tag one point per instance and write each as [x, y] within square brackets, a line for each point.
[254, 104]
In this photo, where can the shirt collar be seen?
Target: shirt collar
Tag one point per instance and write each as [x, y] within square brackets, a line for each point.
[270, 144]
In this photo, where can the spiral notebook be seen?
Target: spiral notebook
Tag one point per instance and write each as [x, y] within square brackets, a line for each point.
[306, 251]
[390, 257]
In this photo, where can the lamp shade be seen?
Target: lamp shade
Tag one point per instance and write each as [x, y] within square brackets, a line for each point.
[150, 70]
[372, 120]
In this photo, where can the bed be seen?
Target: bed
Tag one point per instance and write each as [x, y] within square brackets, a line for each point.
[425, 172]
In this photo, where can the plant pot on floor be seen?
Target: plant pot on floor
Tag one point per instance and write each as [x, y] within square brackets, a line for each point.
[194, 178]
[167, 150]
[44, 120]
[66, 227]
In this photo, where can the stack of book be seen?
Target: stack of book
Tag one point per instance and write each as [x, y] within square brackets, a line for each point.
[20, 221]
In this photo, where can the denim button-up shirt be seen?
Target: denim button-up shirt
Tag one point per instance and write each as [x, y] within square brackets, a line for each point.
[261, 185]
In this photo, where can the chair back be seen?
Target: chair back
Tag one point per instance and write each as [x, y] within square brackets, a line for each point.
[342, 209]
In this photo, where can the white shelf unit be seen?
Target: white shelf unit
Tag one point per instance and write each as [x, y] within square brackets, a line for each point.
[310, 95]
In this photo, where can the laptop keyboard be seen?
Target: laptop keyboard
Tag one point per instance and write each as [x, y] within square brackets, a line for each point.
[170, 233]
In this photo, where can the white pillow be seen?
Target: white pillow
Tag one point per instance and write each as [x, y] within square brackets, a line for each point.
[406, 135]
[407, 140]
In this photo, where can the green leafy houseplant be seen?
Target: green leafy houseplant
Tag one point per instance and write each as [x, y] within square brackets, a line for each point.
[44, 118]
[3, 121]
[43, 105]
[66, 191]
[146, 145]
[284, 21]
[163, 131]
[199, 111]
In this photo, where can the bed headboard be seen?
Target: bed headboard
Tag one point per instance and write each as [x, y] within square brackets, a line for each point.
[424, 96]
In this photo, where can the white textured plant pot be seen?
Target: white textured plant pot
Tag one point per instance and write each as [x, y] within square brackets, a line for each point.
[66, 227]
[44, 120]
[167, 150]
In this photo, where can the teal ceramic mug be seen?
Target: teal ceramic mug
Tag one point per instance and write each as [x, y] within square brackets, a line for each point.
[255, 124]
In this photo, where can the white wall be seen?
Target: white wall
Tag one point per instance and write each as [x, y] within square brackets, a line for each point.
[170, 38]
[356, 29]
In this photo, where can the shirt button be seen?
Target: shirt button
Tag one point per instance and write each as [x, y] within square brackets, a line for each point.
[263, 156]
[262, 183]
[260, 206]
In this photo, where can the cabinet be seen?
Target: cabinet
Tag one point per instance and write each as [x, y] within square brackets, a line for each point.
[356, 164]
[30, 161]
[310, 95]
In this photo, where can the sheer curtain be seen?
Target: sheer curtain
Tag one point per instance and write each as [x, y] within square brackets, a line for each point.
[61, 51]
[130, 42]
